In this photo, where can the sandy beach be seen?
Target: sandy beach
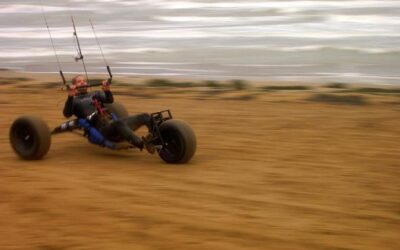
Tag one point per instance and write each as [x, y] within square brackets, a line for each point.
[308, 167]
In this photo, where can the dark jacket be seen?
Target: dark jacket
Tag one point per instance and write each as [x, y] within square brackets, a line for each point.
[82, 106]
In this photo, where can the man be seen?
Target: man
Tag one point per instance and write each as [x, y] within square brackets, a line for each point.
[82, 104]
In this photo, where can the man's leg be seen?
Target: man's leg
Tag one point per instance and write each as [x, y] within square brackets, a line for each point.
[126, 126]
[136, 121]
[121, 127]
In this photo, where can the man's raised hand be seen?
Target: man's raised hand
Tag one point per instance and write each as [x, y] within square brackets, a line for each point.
[105, 85]
[71, 90]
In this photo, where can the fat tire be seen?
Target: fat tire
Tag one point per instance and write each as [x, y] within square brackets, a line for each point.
[118, 109]
[30, 137]
[181, 140]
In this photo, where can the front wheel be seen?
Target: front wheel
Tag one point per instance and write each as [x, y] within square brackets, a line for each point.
[30, 137]
[180, 142]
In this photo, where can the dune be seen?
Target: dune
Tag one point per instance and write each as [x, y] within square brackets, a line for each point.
[273, 170]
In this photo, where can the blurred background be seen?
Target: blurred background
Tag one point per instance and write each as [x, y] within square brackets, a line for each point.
[317, 41]
[295, 106]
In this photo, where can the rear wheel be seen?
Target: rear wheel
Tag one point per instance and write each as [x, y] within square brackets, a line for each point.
[30, 137]
[118, 109]
[180, 142]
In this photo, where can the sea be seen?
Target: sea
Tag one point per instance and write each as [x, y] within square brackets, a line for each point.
[354, 41]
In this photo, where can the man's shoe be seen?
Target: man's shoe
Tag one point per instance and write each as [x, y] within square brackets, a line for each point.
[148, 144]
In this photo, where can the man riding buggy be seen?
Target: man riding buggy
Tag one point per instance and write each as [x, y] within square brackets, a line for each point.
[103, 121]
[88, 107]
[107, 124]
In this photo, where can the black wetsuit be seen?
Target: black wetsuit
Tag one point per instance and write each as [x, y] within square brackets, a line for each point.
[82, 106]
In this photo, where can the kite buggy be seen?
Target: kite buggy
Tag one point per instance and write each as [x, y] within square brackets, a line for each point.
[173, 140]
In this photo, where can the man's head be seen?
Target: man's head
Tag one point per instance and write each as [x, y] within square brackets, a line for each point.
[80, 81]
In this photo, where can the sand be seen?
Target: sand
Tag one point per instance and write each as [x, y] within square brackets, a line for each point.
[273, 170]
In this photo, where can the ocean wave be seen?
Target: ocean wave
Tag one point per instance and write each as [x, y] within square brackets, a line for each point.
[284, 6]
[273, 65]
[332, 48]
[219, 19]
[313, 48]
[34, 8]
[86, 33]
[353, 77]
[102, 72]
[365, 19]
[97, 1]
[248, 31]
[36, 32]
[140, 50]
[23, 53]
[94, 50]
[375, 20]
[167, 69]
[45, 52]
[149, 74]
[357, 75]
[155, 63]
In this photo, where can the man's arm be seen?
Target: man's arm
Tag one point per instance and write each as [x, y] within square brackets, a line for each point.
[108, 96]
[69, 104]
[69, 107]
